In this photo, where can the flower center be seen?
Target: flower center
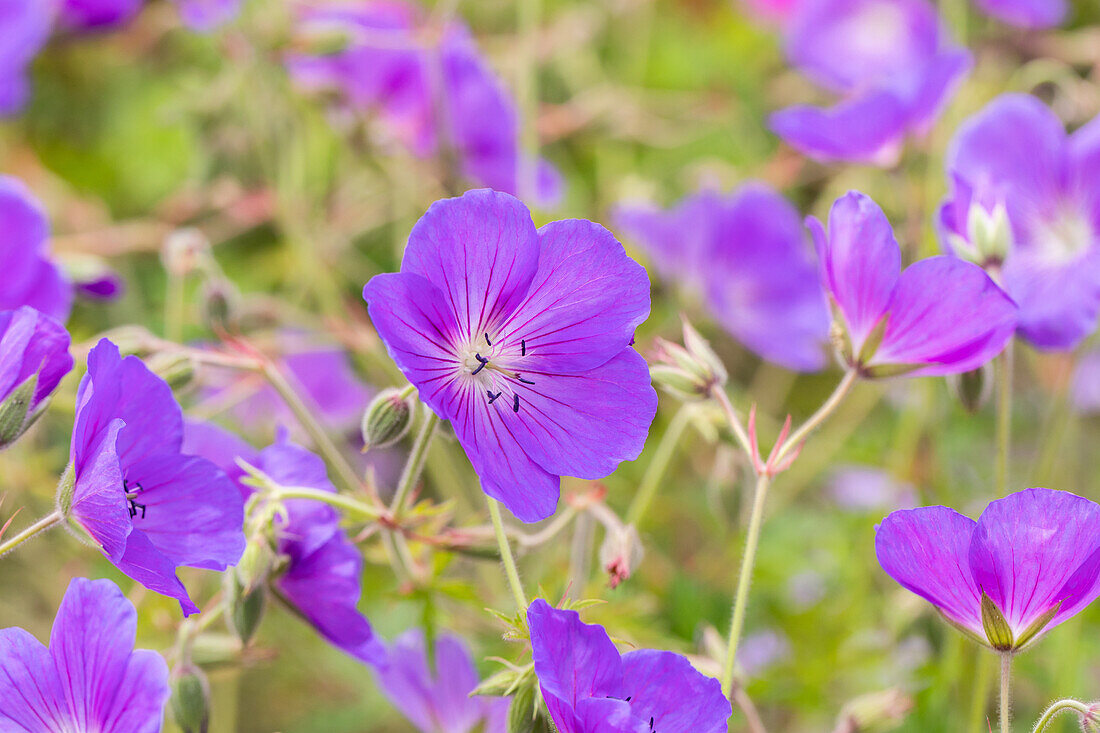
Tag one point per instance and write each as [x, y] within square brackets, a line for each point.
[1064, 237]
[131, 497]
[487, 362]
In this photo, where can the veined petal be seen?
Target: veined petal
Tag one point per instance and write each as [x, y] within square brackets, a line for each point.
[1035, 549]
[418, 327]
[482, 250]
[601, 715]
[860, 261]
[927, 552]
[33, 696]
[664, 687]
[573, 660]
[866, 129]
[946, 313]
[585, 301]
[99, 500]
[142, 694]
[1059, 303]
[143, 562]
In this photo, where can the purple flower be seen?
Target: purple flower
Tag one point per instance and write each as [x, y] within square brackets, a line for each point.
[97, 14]
[30, 277]
[866, 488]
[1085, 390]
[1032, 558]
[24, 30]
[322, 577]
[940, 316]
[1014, 160]
[149, 507]
[590, 688]
[437, 699]
[221, 447]
[433, 96]
[90, 678]
[749, 255]
[521, 338]
[891, 61]
[1027, 13]
[34, 356]
[206, 15]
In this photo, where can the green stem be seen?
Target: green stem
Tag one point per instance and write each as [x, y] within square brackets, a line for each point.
[340, 501]
[814, 422]
[657, 467]
[1006, 692]
[1062, 706]
[348, 477]
[740, 599]
[506, 555]
[414, 465]
[1004, 420]
[175, 304]
[40, 526]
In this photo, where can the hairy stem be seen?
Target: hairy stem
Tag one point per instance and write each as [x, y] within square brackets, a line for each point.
[814, 422]
[506, 554]
[40, 526]
[1004, 419]
[1062, 706]
[410, 474]
[1006, 692]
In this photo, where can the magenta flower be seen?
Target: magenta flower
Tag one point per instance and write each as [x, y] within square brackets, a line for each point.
[323, 573]
[34, 356]
[222, 448]
[90, 678]
[436, 697]
[432, 95]
[1014, 160]
[198, 15]
[749, 255]
[940, 316]
[590, 688]
[1027, 13]
[148, 507]
[30, 277]
[1030, 562]
[24, 30]
[521, 338]
[207, 15]
[893, 64]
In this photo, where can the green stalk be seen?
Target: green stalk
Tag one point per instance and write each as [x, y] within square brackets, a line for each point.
[659, 465]
[40, 526]
[506, 555]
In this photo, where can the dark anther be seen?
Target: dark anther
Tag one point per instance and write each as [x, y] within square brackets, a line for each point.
[627, 698]
[522, 347]
[651, 723]
[492, 397]
[133, 507]
[487, 340]
[515, 405]
[480, 366]
[525, 381]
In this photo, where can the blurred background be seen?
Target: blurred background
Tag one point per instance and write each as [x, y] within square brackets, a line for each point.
[144, 131]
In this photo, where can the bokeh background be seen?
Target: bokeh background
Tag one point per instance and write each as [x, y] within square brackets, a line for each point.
[138, 131]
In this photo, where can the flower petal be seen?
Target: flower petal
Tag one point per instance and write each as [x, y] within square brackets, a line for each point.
[481, 249]
[143, 562]
[665, 687]
[585, 301]
[34, 698]
[1059, 303]
[142, 694]
[99, 502]
[866, 129]
[946, 313]
[860, 261]
[1035, 549]
[927, 551]
[1027, 13]
[935, 87]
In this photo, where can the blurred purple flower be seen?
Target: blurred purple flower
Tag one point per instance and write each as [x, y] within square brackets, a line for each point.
[749, 255]
[97, 14]
[521, 338]
[436, 699]
[1085, 390]
[1035, 555]
[761, 650]
[940, 316]
[1014, 159]
[323, 575]
[149, 507]
[24, 29]
[778, 11]
[432, 94]
[206, 15]
[893, 64]
[30, 277]
[589, 688]
[90, 678]
[32, 345]
[1027, 13]
[867, 488]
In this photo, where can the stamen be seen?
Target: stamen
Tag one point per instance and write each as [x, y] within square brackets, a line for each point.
[525, 381]
[515, 405]
[487, 340]
[480, 366]
[522, 347]
[492, 397]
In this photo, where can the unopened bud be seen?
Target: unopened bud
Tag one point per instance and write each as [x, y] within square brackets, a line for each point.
[220, 304]
[175, 368]
[246, 592]
[184, 251]
[387, 419]
[1090, 719]
[16, 411]
[989, 236]
[689, 371]
[191, 699]
[972, 388]
[621, 553]
[523, 713]
[875, 711]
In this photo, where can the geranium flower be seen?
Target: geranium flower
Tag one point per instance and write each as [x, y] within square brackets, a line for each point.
[34, 356]
[891, 60]
[940, 316]
[521, 338]
[436, 697]
[590, 688]
[199, 15]
[1029, 563]
[1027, 13]
[1014, 159]
[145, 504]
[433, 94]
[24, 30]
[90, 678]
[748, 254]
[30, 277]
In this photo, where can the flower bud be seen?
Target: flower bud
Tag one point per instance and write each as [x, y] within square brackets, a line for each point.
[875, 711]
[621, 553]
[1090, 720]
[246, 591]
[523, 713]
[36, 350]
[988, 236]
[972, 388]
[220, 304]
[387, 419]
[175, 368]
[688, 371]
[184, 251]
[191, 699]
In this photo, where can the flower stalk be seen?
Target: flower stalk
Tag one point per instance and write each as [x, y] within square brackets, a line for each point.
[1006, 692]
[655, 472]
[41, 525]
[1004, 419]
[506, 555]
[1061, 706]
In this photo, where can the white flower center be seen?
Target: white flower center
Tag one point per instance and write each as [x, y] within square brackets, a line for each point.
[1064, 237]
